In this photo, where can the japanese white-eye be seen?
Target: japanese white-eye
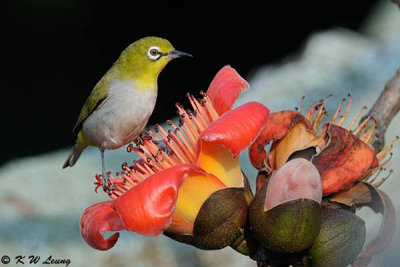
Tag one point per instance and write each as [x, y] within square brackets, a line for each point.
[120, 105]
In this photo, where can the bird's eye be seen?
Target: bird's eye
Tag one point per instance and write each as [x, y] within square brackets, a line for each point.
[154, 53]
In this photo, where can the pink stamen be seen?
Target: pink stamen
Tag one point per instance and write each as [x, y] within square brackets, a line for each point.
[210, 109]
[181, 141]
[310, 111]
[183, 149]
[340, 123]
[301, 103]
[187, 122]
[201, 111]
[188, 147]
[155, 137]
[333, 120]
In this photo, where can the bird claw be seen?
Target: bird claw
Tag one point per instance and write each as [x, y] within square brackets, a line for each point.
[162, 147]
[108, 184]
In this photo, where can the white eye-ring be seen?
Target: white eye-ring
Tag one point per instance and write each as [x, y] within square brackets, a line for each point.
[154, 53]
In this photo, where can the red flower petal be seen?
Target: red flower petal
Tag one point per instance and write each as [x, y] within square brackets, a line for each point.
[225, 88]
[238, 128]
[277, 126]
[98, 218]
[148, 207]
[345, 160]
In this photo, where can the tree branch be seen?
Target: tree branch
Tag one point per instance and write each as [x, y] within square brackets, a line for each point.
[385, 108]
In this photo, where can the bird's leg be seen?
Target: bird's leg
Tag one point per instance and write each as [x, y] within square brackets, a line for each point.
[162, 147]
[105, 178]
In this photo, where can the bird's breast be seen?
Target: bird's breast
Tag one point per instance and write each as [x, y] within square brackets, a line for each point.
[122, 117]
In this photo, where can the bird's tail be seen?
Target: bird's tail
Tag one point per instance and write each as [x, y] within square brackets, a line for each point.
[73, 156]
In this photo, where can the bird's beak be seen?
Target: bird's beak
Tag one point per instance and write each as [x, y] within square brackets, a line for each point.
[176, 54]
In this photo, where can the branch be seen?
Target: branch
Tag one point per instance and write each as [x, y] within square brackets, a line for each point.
[385, 108]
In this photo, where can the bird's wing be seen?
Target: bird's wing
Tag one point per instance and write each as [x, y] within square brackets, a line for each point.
[95, 100]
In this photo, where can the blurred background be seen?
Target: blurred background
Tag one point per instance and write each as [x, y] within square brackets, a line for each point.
[54, 52]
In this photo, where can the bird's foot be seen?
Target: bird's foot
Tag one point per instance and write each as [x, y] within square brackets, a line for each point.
[108, 184]
[162, 147]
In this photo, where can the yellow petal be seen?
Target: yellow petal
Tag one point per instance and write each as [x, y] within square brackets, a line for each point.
[194, 191]
[215, 159]
[296, 139]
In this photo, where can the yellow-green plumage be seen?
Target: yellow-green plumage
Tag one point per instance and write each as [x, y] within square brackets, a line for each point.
[132, 64]
[121, 103]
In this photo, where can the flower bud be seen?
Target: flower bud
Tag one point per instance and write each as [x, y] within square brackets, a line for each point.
[220, 221]
[285, 214]
[340, 239]
[298, 178]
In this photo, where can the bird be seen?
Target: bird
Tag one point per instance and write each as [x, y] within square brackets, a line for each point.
[119, 106]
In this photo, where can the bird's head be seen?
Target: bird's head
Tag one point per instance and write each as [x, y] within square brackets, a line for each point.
[144, 59]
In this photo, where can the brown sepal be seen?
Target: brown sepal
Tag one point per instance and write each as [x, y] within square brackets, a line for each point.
[345, 159]
[262, 178]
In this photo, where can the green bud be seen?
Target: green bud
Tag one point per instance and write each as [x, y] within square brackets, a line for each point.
[340, 239]
[285, 214]
[220, 221]
[221, 218]
[289, 227]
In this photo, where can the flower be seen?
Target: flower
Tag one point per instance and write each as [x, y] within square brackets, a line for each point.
[285, 213]
[298, 178]
[169, 189]
[341, 155]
